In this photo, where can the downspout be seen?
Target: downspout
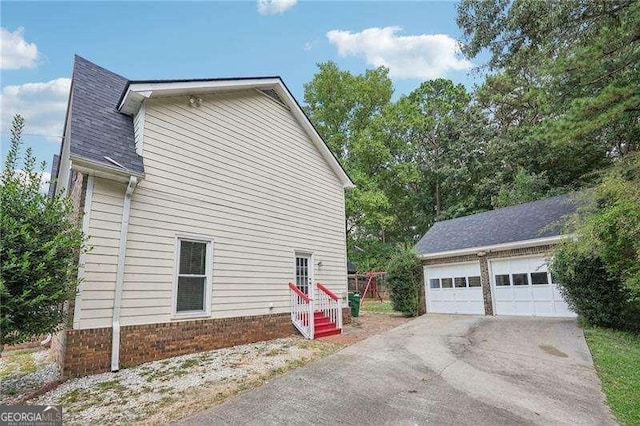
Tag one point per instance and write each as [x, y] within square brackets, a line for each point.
[122, 250]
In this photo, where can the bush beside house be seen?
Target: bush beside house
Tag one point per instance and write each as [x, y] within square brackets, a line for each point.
[39, 248]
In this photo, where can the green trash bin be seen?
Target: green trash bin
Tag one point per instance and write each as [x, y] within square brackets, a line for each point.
[354, 304]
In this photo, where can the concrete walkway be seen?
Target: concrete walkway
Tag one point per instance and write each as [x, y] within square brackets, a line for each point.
[437, 369]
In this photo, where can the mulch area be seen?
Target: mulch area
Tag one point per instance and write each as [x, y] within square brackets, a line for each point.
[366, 325]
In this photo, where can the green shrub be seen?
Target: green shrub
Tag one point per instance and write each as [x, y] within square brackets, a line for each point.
[595, 294]
[39, 248]
[599, 270]
[404, 280]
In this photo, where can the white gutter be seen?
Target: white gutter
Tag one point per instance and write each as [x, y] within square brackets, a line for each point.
[495, 247]
[93, 167]
[117, 301]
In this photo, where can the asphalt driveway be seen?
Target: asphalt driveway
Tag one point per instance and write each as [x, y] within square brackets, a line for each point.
[437, 369]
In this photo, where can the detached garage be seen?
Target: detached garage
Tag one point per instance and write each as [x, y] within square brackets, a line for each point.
[494, 263]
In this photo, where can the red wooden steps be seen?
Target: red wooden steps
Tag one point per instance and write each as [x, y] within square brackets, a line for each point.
[323, 326]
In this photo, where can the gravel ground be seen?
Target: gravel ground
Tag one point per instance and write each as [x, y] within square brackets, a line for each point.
[170, 389]
[23, 371]
[160, 391]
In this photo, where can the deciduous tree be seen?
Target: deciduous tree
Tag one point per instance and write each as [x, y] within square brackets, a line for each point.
[39, 248]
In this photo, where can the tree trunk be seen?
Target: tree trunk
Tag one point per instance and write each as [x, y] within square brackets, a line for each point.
[437, 199]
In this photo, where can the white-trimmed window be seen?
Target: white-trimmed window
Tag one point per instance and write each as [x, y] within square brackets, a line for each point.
[192, 292]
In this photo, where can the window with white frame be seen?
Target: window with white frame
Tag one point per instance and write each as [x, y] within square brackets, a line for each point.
[193, 281]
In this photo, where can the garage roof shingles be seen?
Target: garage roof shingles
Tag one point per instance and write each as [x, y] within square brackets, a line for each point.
[538, 219]
[98, 129]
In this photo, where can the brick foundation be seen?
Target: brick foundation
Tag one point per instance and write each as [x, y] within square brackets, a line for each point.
[83, 352]
[89, 351]
[346, 315]
[58, 347]
[483, 259]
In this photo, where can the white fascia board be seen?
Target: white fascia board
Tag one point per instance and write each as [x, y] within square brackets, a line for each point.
[102, 170]
[137, 92]
[495, 247]
[203, 85]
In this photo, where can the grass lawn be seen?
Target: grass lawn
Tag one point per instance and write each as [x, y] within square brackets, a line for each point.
[17, 363]
[616, 356]
[378, 307]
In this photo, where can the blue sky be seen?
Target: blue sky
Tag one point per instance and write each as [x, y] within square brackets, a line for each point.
[156, 40]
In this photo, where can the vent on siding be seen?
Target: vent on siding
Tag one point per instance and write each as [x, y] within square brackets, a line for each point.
[274, 95]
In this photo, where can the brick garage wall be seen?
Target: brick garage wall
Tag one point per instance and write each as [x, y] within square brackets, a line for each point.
[485, 281]
[483, 260]
[528, 251]
[546, 249]
[89, 351]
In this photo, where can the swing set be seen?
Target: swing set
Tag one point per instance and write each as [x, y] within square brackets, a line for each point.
[374, 280]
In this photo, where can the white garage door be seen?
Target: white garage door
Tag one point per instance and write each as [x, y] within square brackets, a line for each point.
[454, 289]
[523, 287]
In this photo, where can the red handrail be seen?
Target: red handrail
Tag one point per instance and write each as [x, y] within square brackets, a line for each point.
[293, 287]
[328, 292]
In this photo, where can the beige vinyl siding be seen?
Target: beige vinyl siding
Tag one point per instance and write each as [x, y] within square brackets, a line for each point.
[239, 170]
[101, 261]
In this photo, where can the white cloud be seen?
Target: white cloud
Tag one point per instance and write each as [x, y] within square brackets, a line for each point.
[15, 52]
[42, 105]
[275, 7]
[45, 179]
[423, 56]
[308, 46]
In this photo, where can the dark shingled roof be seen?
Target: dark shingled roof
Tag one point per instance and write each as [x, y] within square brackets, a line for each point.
[538, 219]
[97, 128]
[54, 175]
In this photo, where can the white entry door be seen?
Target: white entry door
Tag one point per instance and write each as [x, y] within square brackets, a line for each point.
[304, 272]
[523, 286]
[454, 289]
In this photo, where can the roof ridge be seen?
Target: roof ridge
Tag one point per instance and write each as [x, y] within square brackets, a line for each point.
[520, 222]
[506, 208]
[195, 80]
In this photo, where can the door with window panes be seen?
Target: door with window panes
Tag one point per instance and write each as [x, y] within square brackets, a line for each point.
[524, 286]
[304, 272]
[454, 289]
